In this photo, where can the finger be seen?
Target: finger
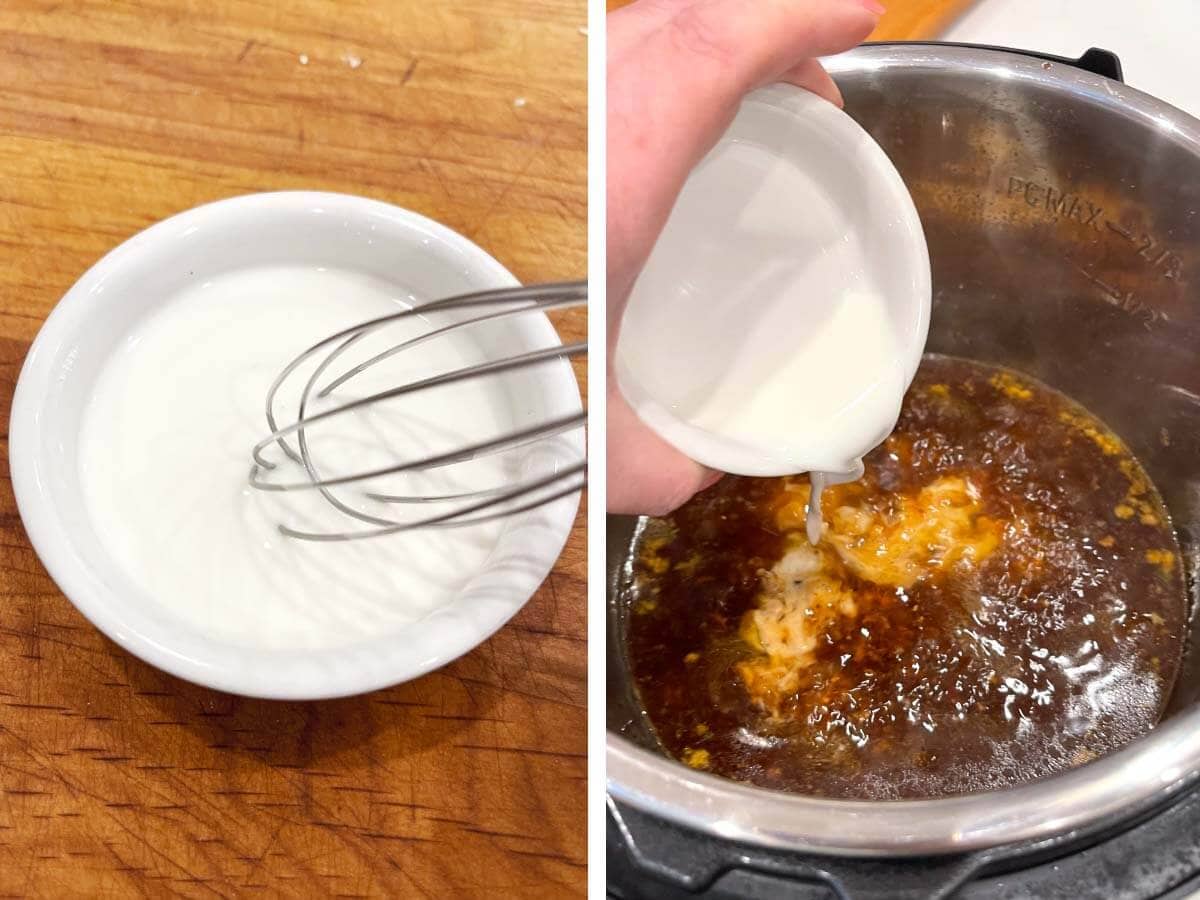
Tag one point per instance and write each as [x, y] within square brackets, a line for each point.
[811, 76]
[646, 475]
[645, 16]
[754, 42]
[713, 476]
[699, 60]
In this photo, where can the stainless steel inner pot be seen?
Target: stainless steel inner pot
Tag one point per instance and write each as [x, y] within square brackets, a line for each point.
[1061, 210]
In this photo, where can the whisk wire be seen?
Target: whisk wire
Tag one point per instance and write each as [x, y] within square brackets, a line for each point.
[489, 368]
[521, 299]
[508, 441]
[543, 306]
[473, 506]
[454, 518]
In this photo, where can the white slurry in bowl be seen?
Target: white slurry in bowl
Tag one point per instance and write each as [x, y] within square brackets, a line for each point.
[165, 457]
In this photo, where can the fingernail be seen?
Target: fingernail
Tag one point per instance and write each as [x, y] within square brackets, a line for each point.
[870, 5]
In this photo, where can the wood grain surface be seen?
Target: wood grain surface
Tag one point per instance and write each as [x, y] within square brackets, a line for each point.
[117, 780]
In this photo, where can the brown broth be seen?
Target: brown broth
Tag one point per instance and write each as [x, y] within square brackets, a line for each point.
[1057, 642]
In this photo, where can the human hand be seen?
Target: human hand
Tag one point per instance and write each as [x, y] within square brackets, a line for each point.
[677, 71]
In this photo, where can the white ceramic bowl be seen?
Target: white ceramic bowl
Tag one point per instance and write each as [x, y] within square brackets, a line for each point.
[756, 249]
[99, 311]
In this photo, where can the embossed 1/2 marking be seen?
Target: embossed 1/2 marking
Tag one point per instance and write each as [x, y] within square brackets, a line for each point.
[1126, 301]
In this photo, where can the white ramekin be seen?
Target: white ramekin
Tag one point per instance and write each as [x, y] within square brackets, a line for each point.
[99, 311]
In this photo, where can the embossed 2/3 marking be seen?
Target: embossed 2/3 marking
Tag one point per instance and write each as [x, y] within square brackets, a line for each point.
[1058, 204]
[1148, 249]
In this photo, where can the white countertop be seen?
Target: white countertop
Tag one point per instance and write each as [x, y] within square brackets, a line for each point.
[1158, 43]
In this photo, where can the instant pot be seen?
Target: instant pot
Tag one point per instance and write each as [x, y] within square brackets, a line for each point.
[1062, 212]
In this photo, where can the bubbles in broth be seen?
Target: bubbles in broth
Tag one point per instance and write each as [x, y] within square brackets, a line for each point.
[1001, 597]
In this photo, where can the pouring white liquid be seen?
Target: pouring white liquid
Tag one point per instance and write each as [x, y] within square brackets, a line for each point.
[819, 480]
[165, 454]
[782, 314]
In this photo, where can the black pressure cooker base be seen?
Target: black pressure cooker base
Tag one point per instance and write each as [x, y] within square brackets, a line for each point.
[1156, 857]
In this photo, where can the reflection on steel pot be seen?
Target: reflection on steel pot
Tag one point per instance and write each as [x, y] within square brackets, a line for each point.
[1062, 211]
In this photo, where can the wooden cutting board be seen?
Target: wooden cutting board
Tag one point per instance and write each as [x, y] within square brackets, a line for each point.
[905, 20]
[917, 20]
[117, 780]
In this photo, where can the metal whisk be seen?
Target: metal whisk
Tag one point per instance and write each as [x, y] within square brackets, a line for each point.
[467, 507]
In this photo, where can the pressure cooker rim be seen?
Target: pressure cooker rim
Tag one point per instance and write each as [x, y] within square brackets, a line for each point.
[1013, 65]
[1119, 785]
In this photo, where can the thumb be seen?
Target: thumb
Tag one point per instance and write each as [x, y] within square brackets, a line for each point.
[730, 47]
[707, 54]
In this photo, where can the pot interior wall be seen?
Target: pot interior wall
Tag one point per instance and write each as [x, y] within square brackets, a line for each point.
[1063, 230]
